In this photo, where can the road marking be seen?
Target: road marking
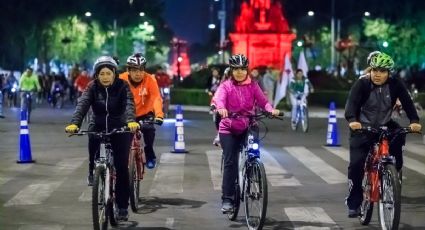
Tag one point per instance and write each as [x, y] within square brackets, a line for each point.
[305, 215]
[42, 227]
[317, 165]
[169, 175]
[214, 161]
[341, 152]
[415, 148]
[169, 223]
[86, 195]
[276, 174]
[4, 180]
[68, 165]
[33, 194]
[414, 165]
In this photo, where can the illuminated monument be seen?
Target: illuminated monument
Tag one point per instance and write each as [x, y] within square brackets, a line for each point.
[262, 33]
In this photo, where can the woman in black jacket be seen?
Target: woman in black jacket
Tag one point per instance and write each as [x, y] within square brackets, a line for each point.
[113, 107]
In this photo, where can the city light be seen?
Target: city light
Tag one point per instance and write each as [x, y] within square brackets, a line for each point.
[142, 14]
[367, 14]
[211, 26]
[179, 59]
[220, 52]
[299, 43]
[145, 23]
[88, 14]
[385, 44]
[310, 13]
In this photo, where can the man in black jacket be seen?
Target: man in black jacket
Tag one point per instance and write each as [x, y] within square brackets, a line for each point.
[370, 103]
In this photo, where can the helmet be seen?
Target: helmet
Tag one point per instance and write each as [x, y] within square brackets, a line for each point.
[238, 61]
[382, 60]
[372, 54]
[104, 61]
[136, 61]
[227, 72]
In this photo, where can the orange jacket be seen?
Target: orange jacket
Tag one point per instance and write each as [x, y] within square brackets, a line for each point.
[147, 97]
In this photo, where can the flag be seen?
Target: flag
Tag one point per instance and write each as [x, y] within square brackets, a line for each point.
[287, 74]
[302, 63]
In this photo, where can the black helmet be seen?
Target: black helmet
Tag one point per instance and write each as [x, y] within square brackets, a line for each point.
[238, 61]
[105, 61]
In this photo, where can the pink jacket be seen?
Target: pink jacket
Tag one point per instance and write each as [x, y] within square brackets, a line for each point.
[240, 98]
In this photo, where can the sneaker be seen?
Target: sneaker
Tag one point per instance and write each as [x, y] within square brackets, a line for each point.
[122, 214]
[216, 140]
[293, 125]
[150, 164]
[353, 213]
[90, 180]
[226, 207]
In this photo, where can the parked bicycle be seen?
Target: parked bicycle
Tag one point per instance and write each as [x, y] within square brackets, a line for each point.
[251, 183]
[104, 206]
[136, 163]
[301, 114]
[381, 181]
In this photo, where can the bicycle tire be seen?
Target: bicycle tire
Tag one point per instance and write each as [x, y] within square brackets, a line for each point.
[389, 178]
[100, 220]
[112, 205]
[304, 120]
[132, 172]
[366, 208]
[255, 174]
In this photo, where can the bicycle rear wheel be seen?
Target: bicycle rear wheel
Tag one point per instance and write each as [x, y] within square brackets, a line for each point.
[255, 195]
[134, 182]
[366, 208]
[389, 203]
[99, 203]
[304, 120]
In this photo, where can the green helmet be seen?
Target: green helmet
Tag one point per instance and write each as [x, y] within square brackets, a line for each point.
[382, 60]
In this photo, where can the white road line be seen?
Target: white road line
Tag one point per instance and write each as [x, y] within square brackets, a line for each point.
[276, 174]
[313, 215]
[414, 165]
[317, 165]
[4, 180]
[214, 162]
[169, 175]
[169, 223]
[415, 148]
[33, 194]
[86, 195]
[68, 165]
[42, 227]
[341, 152]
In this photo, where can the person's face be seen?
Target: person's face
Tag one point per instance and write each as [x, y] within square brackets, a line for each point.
[106, 77]
[299, 75]
[239, 74]
[254, 73]
[215, 73]
[379, 75]
[29, 73]
[136, 74]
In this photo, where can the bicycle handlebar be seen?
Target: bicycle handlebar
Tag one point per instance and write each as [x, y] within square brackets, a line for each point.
[124, 129]
[402, 130]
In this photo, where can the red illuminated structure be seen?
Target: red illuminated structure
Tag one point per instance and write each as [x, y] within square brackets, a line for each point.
[180, 60]
[262, 33]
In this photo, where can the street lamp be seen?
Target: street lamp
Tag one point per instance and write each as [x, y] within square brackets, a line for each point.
[211, 26]
[310, 13]
[299, 43]
[88, 14]
[142, 14]
[367, 14]
[385, 44]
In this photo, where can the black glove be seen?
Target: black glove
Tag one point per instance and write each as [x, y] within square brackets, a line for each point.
[159, 120]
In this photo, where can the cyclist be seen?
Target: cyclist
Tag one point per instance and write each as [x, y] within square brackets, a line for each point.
[81, 82]
[370, 103]
[299, 87]
[240, 95]
[113, 107]
[164, 83]
[147, 100]
[28, 83]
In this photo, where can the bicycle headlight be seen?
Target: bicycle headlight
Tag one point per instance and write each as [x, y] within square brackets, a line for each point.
[13, 90]
[166, 90]
[255, 146]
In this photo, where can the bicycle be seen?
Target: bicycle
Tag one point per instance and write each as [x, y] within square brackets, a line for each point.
[136, 164]
[104, 206]
[252, 174]
[381, 181]
[26, 102]
[301, 116]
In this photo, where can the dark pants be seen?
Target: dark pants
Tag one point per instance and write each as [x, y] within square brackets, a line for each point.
[148, 131]
[231, 145]
[360, 145]
[121, 148]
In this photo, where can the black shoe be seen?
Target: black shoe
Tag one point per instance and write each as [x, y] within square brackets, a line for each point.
[353, 213]
[2, 116]
[90, 180]
[226, 207]
[122, 214]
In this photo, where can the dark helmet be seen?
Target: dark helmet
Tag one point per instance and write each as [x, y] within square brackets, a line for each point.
[238, 61]
[136, 61]
[105, 61]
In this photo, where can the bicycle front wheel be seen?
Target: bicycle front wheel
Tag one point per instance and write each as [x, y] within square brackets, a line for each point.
[255, 195]
[389, 203]
[304, 120]
[134, 182]
[99, 202]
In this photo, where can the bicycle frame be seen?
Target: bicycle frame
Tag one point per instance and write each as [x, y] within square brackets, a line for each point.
[137, 148]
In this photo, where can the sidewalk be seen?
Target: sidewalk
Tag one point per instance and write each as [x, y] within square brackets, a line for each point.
[314, 111]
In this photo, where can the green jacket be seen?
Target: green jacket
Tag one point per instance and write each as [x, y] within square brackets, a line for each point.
[29, 83]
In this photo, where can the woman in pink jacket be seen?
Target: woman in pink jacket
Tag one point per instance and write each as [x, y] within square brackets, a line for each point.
[238, 95]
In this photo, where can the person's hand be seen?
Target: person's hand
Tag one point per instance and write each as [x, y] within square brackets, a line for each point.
[210, 93]
[71, 128]
[223, 113]
[159, 120]
[415, 127]
[355, 125]
[133, 126]
[275, 112]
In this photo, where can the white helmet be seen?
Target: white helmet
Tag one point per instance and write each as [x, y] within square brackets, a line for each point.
[105, 61]
[136, 61]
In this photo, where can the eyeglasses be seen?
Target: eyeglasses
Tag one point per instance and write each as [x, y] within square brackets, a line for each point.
[135, 69]
[379, 69]
[240, 68]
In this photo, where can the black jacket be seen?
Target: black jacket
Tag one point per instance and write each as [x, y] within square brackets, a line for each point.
[113, 104]
[360, 93]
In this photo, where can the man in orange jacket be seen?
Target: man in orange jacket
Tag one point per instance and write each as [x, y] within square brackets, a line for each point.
[147, 101]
